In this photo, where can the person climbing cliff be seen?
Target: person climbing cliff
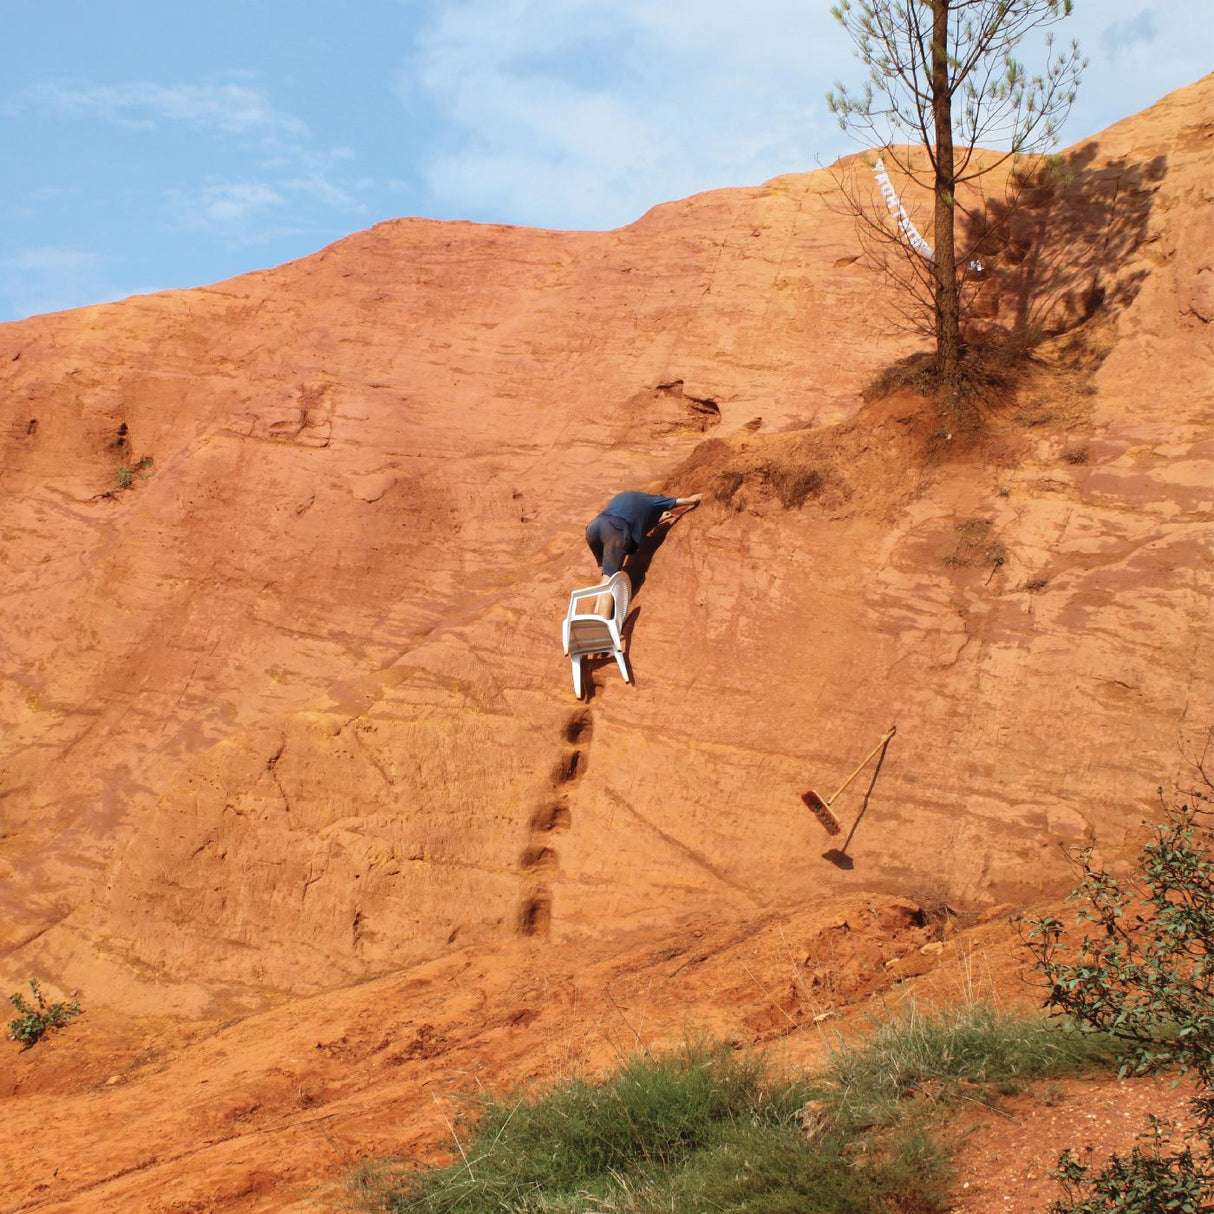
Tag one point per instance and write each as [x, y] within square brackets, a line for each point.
[623, 523]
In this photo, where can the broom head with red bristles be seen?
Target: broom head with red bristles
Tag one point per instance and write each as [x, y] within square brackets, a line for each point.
[822, 811]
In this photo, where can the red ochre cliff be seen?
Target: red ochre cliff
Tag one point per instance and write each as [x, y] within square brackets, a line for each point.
[293, 786]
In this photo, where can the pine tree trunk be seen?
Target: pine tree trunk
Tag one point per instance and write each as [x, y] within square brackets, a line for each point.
[948, 319]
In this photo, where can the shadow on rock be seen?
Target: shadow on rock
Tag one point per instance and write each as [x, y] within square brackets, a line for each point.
[1059, 247]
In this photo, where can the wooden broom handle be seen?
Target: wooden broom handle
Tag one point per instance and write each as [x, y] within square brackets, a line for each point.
[893, 729]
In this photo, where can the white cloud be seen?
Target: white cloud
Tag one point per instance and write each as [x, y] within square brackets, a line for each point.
[1120, 35]
[251, 212]
[1138, 53]
[54, 259]
[230, 207]
[232, 108]
[272, 147]
[573, 113]
[319, 187]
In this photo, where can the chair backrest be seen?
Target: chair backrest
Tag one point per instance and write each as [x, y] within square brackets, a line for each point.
[620, 589]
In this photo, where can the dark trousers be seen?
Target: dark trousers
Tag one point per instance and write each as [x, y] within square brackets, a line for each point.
[607, 537]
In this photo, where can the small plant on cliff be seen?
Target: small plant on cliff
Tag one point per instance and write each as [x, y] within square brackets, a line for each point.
[34, 1021]
[124, 478]
[1143, 972]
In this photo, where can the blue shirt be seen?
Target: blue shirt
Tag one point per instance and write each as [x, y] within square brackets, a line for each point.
[640, 511]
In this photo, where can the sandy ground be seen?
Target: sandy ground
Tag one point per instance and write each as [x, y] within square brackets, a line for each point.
[1005, 1161]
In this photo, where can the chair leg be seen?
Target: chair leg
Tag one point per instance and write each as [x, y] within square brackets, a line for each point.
[577, 676]
[622, 663]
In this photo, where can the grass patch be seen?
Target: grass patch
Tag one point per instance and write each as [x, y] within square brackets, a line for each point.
[993, 365]
[794, 485]
[708, 1129]
[126, 476]
[975, 544]
[583, 1141]
[915, 373]
[972, 1052]
[726, 484]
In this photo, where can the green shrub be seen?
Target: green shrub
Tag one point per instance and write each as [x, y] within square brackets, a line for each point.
[1151, 1179]
[32, 1023]
[1143, 973]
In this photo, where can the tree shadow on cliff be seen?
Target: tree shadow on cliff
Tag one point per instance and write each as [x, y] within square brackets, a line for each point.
[1042, 259]
[1057, 249]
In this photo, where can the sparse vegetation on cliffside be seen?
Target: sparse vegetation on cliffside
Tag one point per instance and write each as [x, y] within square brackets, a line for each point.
[707, 1127]
[710, 1128]
[35, 1019]
[1143, 973]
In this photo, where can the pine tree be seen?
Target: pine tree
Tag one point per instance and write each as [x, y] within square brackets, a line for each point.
[943, 77]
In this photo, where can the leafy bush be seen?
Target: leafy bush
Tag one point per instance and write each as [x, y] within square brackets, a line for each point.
[1143, 972]
[1149, 1180]
[32, 1023]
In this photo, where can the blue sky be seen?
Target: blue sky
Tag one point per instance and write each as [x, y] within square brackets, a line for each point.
[151, 144]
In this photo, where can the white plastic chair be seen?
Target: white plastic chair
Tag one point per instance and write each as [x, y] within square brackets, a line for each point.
[584, 632]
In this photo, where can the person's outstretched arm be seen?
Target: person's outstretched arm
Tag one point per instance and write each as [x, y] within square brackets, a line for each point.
[685, 502]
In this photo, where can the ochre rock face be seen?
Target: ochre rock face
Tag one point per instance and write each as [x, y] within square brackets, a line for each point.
[283, 704]
[287, 703]
[283, 701]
